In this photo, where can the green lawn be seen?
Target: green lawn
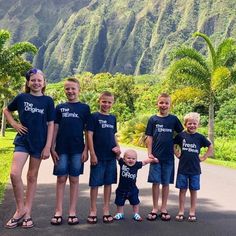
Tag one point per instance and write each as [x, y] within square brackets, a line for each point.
[6, 151]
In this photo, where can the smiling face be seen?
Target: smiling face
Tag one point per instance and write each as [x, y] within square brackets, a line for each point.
[130, 157]
[105, 103]
[36, 84]
[71, 90]
[163, 105]
[191, 125]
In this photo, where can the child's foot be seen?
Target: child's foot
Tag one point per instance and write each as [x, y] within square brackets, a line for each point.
[180, 217]
[192, 218]
[56, 220]
[27, 223]
[92, 219]
[165, 216]
[119, 216]
[107, 219]
[152, 216]
[72, 220]
[137, 217]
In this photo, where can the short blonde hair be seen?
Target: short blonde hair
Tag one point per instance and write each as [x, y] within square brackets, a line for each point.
[163, 95]
[192, 115]
[131, 152]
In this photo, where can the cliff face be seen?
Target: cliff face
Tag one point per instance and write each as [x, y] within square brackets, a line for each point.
[128, 36]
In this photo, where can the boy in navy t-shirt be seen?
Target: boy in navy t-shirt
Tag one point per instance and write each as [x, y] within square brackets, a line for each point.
[160, 133]
[189, 170]
[127, 189]
[69, 150]
[102, 128]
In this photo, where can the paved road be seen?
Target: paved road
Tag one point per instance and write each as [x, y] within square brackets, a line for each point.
[216, 209]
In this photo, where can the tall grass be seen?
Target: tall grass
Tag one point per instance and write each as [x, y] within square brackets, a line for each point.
[6, 150]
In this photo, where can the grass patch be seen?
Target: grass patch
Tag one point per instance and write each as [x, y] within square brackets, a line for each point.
[5, 159]
[229, 164]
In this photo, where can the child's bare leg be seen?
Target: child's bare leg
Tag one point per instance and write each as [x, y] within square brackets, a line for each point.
[18, 163]
[155, 197]
[32, 176]
[165, 194]
[119, 209]
[182, 197]
[93, 201]
[136, 209]
[74, 187]
[107, 197]
[193, 200]
[60, 189]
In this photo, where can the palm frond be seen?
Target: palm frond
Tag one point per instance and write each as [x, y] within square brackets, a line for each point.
[226, 53]
[187, 71]
[221, 78]
[191, 53]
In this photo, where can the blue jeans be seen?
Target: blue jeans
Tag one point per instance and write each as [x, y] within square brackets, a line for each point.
[69, 164]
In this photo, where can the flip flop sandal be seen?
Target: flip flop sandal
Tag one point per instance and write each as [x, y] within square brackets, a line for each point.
[72, 220]
[92, 219]
[192, 218]
[107, 219]
[152, 216]
[25, 224]
[13, 222]
[180, 218]
[164, 215]
[119, 216]
[137, 217]
[56, 220]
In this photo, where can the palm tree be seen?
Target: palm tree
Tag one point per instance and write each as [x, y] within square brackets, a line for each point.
[192, 71]
[12, 67]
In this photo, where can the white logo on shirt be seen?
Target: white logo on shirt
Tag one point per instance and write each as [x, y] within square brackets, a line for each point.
[30, 107]
[105, 125]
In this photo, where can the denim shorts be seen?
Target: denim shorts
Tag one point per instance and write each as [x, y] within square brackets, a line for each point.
[104, 173]
[69, 164]
[161, 173]
[188, 181]
[122, 196]
[21, 148]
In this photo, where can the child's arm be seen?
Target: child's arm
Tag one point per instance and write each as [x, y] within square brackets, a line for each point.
[116, 149]
[17, 126]
[149, 160]
[208, 153]
[177, 151]
[149, 147]
[46, 150]
[54, 154]
[93, 157]
[85, 152]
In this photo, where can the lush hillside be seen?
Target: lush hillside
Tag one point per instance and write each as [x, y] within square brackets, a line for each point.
[128, 36]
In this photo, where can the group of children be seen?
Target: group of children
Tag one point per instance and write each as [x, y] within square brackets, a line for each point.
[70, 131]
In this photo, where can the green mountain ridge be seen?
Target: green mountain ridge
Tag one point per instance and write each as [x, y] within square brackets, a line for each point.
[127, 36]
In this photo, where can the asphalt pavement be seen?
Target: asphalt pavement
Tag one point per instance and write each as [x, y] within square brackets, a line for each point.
[216, 207]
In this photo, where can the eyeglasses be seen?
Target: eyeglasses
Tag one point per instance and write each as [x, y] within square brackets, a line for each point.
[32, 72]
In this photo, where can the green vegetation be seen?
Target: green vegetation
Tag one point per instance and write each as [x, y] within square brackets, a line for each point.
[192, 76]
[5, 159]
[125, 36]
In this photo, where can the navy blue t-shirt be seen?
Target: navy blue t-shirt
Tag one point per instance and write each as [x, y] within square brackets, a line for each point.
[104, 128]
[72, 119]
[128, 176]
[162, 131]
[34, 113]
[190, 144]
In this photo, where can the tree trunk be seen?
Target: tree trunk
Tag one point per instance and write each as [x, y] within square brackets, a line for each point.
[3, 124]
[211, 131]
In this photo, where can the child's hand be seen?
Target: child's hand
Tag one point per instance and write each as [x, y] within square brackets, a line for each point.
[20, 128]
[116, 150]
[202, 158]
[55, 156]
[155, 160]
[45, 153]
[93, 159]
